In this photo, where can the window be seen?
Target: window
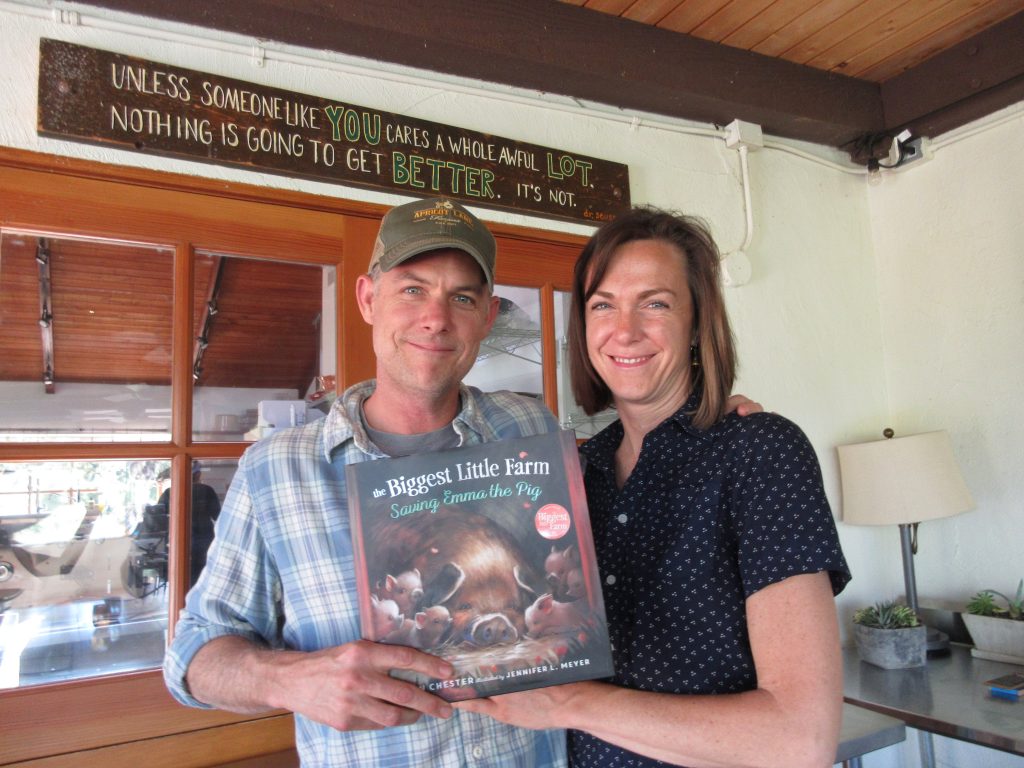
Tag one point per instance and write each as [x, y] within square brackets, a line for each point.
[71, 313]
[83, 557]
[259, 344]
[84, 544]
[570, 415]
[511, 357]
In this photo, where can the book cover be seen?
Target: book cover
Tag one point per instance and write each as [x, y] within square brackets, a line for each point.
[484, 556]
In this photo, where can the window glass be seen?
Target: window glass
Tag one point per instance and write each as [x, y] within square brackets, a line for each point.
[85, 353]
[510, 356]
[83, 569]
[208, 486]
[263, 351]
[571, 415]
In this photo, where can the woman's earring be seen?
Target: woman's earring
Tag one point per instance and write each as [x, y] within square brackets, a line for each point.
[694, 357]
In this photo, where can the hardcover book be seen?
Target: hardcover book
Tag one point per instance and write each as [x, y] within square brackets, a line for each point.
[484, 556]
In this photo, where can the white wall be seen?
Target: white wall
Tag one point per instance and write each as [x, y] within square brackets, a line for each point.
[894, 305]
[949, 243]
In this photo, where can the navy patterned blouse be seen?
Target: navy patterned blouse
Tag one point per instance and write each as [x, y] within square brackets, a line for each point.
[706, 519]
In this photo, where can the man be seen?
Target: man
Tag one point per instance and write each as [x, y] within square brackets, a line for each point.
[204, 510]
[273, 621]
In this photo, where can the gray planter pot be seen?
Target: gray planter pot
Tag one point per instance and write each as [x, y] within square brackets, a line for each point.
[892, 648]
[996, 638]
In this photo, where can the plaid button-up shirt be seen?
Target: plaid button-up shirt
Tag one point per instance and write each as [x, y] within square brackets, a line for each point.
[280, 573]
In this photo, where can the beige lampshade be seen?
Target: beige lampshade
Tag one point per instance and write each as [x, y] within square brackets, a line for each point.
[902, 480]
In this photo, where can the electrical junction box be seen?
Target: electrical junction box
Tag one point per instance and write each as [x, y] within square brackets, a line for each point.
[739, 133]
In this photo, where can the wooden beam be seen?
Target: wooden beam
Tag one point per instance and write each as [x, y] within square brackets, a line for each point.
[559, 48]
[970, 80]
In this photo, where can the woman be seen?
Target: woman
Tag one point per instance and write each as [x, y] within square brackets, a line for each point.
[714, 537]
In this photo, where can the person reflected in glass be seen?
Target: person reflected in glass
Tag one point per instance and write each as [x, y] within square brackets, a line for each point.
[717, 549]
[203, 513]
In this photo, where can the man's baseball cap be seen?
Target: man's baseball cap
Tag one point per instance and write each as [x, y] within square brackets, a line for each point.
[427, 225]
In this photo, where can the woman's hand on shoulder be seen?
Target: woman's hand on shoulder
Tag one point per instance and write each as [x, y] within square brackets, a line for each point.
[743, 405]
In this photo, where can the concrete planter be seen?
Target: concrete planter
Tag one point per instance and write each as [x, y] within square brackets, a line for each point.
[996, 638]
[892, 648]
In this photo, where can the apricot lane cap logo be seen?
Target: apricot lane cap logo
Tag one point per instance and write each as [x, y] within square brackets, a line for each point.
[428, 225]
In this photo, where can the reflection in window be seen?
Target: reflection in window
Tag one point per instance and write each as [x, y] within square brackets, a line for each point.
[83, 569]
[207, 488]
[571, 415]
[85, 353]
[510, 356]
[263, 345]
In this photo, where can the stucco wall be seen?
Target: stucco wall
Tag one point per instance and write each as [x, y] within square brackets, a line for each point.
[868, 307]
[948, 240]
[948, 236]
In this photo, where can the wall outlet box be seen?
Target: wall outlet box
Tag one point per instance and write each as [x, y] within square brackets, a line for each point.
[739, 133]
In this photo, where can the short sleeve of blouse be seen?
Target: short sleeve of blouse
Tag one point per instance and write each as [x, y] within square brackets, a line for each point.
[783, 521]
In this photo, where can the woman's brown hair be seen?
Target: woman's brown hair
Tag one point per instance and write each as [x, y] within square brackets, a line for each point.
[715, 350]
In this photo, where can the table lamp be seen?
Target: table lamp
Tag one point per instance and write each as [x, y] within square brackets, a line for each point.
[903, 481]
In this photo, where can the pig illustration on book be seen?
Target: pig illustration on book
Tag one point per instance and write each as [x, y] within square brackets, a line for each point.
[563, 574]
[547, 616]
[386, 617]
[406, 589]
[469, 565]
[575, 587]
[425, 630]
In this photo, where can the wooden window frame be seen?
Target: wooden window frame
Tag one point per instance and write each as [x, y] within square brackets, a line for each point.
[96, 719]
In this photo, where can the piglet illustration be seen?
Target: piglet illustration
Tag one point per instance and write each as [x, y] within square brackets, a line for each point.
[424, 630]
[575, 588]
[562, 572]
[547, 616]
[406, 589]
[431, 626]
[386, 617]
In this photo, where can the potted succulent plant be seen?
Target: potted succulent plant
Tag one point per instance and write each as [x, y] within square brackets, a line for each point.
[997, 628]
[890, 636]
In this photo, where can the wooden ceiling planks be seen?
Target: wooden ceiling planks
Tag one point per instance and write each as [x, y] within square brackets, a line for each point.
[726, 20]
[112, 313]
[848, 35]
[264, 333]
[935, 33]
[21, 352]
[652, 11]
[870, 39]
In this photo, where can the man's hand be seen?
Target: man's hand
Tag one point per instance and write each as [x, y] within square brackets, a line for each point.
[346, 687]
[743, 405]
[349, 688]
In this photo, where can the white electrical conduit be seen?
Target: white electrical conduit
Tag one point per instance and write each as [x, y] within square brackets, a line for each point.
[747, 207]
[735, 265]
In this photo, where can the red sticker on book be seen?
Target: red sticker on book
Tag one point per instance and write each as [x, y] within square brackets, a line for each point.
[552, 521]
